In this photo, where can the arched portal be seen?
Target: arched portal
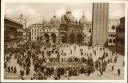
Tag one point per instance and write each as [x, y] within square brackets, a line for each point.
[53, 37]
[63, 37]
[72, 38]
[79, 38]
[110, 41]
[46, 37]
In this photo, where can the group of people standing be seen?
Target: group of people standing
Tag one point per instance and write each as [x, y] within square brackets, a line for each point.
[40, 58]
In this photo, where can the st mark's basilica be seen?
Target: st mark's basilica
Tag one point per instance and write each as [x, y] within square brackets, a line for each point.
[67, 29]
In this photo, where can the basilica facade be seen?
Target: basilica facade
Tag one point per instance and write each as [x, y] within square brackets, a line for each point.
[67, 29]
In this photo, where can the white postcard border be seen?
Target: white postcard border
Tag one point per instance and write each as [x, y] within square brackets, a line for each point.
[62, 1]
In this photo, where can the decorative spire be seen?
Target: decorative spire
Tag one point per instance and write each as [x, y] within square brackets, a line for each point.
[21, 15]
[66, 9]
[25, 22]
[54, 13]
[83, 13]
[43, 20]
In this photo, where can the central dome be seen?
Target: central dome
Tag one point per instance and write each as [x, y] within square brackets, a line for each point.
[67, 17]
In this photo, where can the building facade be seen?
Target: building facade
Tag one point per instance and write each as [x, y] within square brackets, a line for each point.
[22, 20]
[113, 23]
[44, 33]
[70, 30]
[12, 31]
[64, 30]
[100, 24]
[120, 36]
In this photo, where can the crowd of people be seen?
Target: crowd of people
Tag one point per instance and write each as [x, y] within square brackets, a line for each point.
[52, 60]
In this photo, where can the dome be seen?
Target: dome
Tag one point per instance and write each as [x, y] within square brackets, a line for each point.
[82, 20]
[54, 20]
[67, 17]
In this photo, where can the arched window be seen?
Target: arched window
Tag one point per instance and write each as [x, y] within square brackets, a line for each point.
[72, 37]
[113, 40]
[53, 36]
[79, 38]
[46, 37]
[111, 35]
[110, 41]
[113, 27]
[63, 37]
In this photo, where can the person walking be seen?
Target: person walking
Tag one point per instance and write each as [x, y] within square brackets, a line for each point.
[112, 68]
[15, 70]
[118, 71]
[12, 69]
[9, 69]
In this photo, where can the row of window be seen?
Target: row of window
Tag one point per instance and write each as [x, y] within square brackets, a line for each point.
[35, 30]
[33, 38]
[111, 40]
[112, 35]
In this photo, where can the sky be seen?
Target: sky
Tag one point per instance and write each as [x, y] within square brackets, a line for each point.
[36, 12]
